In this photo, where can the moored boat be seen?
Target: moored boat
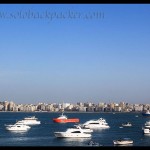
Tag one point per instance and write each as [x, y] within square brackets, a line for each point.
[85, 130]
[96, 124]
[127, 124]
[29, 121]
[123, 141]
[147, 124]
[146, 128]
[146, 114]
[64, 119]
[92, 143]
[72, 133]
[17, 127]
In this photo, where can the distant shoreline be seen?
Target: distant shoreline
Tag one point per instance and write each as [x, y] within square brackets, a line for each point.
[64, 112]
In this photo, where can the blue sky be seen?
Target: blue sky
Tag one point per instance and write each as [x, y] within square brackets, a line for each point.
[74, 56]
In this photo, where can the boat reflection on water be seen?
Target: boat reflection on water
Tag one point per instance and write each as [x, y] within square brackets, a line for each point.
[148, 135]
[75, 139]
[18, 133]
[124, 145]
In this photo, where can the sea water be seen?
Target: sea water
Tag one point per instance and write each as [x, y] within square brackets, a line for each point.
[43, 134]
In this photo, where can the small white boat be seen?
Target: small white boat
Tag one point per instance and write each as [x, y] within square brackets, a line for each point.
[128, 124]
[146, 130]
[146, 114]
[29, 121]
[95, 124]
[92, 143]
[17, 127]
[147, 124]
[73, 133]
[123, 141]
[85, 130]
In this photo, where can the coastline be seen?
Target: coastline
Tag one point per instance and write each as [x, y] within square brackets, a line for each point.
[67, 112]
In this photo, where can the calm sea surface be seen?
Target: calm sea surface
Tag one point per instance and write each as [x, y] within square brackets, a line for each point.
[43, 134]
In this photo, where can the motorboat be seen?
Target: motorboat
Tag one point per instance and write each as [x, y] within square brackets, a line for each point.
[64, 119]
[73, 133]
[127, 124]
[92, 143]
[147, 124]
[146, 130]
[123, 141]
[94, 124]
[85, 130]
[17, 127]
[146, 113]
[29, 121]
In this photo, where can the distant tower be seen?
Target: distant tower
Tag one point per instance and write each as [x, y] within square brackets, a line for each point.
[122, 105]
[11, 106]
[6, 105]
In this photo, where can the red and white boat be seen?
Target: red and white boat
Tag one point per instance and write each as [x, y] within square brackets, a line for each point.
[64, 119]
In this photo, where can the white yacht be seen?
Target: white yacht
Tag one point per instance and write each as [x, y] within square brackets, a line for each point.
[94, 124]
[147, 124]
[73, 133]
[123, 141]
[85, 130]
[17, 127]
[29, 121]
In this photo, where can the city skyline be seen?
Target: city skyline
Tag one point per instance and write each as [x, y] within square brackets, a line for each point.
[74, 52]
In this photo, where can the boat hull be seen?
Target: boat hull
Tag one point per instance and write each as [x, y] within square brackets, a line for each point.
[65, 120]
[146, 131]
[122, 142]
[71, 135]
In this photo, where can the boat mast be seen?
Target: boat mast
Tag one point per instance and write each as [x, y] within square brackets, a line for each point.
[62, 108]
